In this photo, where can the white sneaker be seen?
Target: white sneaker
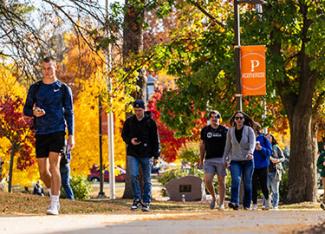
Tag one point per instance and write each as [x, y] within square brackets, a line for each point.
[266, 206]
[54, 207]
[254, 206]
[221, 207]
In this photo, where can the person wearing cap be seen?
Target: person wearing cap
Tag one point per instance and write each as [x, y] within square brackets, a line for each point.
[141, 137]
[213, 141]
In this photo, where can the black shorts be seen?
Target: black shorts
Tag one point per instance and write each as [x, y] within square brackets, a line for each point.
[47, 143]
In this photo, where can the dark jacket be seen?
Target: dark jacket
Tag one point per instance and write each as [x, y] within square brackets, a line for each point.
[146, 132]
[56, 100]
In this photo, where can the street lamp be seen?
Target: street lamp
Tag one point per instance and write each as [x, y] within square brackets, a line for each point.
[110, 116]
[237, 46]
[101, 193]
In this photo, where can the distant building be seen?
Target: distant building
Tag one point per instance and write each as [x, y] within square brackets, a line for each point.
[150, 86]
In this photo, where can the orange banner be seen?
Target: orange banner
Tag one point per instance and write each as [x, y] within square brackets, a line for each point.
[253, 78]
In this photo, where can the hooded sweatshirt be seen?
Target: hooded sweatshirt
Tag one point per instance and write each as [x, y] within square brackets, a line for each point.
[145, 131]
[262, 157]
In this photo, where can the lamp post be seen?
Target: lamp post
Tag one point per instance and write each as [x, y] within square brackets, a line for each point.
[110, 115]
[237, 47]
[101, 193]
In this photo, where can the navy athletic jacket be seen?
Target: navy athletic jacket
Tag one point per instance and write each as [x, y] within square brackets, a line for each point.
[56, 100]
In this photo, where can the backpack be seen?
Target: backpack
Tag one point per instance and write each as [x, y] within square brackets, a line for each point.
[34, 94]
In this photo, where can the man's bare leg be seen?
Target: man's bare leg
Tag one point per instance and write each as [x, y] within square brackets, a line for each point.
[54, 159]
[221, 189]
[43, 167]
[208, 179]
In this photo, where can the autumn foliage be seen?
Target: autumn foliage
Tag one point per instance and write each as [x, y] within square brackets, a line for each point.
[15, 127]
[169, 144]
[85, 71]
[17, 141]
[85, 68]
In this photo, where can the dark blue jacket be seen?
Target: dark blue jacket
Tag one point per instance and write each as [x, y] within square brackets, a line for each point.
[56, 100]
[262, 157]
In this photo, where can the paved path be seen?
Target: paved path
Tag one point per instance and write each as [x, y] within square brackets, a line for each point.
[282, 221]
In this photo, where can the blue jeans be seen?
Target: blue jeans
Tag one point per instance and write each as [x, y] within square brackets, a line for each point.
[241, 170]
[133, 166]
[273, 184]
[65, 180]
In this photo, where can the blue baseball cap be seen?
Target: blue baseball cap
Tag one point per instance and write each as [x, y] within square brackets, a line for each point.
[139, 103]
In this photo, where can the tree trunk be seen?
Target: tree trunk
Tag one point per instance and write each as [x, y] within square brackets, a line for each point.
[12, 157]
[315, 127]
[297, 98]
[132, 31]
[302, 171]
[132, 44]
[128, 194]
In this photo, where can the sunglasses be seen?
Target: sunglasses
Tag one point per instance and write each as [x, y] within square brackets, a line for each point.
[239, 118]
[215, 117]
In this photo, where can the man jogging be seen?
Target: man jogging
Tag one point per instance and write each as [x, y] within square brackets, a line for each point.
[212, 145]
[50, 103]
[140, 134]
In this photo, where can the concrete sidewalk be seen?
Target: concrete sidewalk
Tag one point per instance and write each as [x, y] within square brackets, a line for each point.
[159, 223]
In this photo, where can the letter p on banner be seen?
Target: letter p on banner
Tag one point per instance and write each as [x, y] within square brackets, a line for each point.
[253, 78]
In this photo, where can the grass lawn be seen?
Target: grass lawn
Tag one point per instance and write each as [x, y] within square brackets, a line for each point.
[27, 204]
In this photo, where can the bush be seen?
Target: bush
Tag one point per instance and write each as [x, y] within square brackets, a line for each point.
[190, 155]
[81, 187]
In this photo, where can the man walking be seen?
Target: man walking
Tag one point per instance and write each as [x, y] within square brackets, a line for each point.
[213, 141]
[50, 103]
[141, 136]
[65, 173]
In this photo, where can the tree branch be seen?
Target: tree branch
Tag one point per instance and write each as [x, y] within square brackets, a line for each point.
[211, 17]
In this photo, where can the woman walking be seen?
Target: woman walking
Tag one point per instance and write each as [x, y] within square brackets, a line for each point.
[239, 149]
[262, 153]
[275, 171]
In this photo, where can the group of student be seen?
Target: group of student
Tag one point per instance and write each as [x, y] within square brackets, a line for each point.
[253, 158]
